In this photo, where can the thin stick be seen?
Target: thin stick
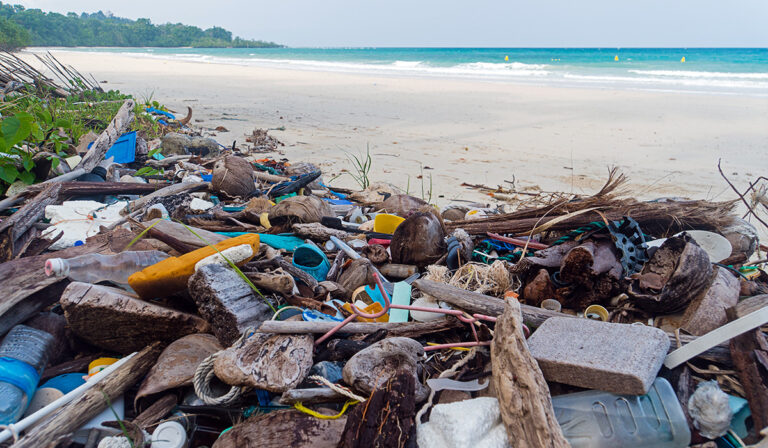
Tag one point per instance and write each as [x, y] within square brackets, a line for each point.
[739, 194]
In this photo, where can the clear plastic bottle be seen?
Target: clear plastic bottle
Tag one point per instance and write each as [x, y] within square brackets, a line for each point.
[94, 268]
[595, 419]
[23, 356]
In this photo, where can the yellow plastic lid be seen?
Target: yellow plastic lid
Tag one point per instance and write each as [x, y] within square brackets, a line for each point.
[384, 223]
[97, 365]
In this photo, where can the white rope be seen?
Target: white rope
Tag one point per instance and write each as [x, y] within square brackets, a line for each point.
[204, 374]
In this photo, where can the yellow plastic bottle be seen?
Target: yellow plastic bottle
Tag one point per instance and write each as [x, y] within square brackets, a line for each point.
[171, 275]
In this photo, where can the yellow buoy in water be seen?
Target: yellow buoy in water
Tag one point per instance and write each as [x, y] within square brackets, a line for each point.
[683, 59]
[506, 58]
[616, 58]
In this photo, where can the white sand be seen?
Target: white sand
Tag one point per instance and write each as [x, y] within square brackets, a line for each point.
[468, 131]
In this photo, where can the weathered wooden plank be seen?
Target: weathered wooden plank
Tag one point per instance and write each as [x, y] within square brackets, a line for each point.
[524, 400]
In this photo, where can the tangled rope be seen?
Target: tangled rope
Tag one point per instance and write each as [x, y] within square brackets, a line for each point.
[205, 374]
[492, 279]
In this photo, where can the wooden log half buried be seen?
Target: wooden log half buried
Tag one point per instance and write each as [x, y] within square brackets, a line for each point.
[227, 302]
[524, 400]
[473, 302]
[112, 319]
[78, 412]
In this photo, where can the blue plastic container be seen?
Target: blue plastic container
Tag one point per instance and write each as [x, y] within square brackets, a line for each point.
[124, 149]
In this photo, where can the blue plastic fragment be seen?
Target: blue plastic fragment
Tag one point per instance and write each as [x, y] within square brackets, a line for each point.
[124, 149]
[153, 110]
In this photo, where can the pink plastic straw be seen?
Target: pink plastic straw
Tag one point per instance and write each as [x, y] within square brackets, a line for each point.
[462, 316]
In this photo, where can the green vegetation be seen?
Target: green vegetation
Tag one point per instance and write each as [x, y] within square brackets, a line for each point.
[38, 130]
[24, 27]
[12, 35]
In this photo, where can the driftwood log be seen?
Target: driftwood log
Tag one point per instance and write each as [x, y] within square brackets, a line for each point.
[272, 281]
[12, 229]
[749, 352]
[78, 412]
[227, 302]
[405, 329]
[524, 400]
[283, 429]
[101, 145]
[112, 319]
[108, 137]
[318, 232]
[532, 316]
[311, 396]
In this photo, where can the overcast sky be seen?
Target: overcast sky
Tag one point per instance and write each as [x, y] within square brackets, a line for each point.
[479, 23]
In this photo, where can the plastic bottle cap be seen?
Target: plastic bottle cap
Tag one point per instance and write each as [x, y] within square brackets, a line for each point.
[56, 267]
[551, 304]
[169, 435]
[97, 365]
[598, 311]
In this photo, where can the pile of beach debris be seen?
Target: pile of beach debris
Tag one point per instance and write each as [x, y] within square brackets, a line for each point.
[205, 296]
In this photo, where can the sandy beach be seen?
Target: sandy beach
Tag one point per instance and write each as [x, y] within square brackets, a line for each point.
[480, 132]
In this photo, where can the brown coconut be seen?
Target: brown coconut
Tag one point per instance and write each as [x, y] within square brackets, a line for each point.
[233, 176]
[303, 209]
[676, 273]
[401, 204]
[419, 240]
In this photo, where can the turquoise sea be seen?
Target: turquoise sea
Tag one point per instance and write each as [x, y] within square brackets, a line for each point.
[713, 70]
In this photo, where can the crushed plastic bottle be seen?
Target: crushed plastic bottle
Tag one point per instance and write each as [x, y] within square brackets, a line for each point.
[595, 419]
[23, 356]
[94, 268]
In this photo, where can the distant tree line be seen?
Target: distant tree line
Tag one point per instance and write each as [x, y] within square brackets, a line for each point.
[20, 27]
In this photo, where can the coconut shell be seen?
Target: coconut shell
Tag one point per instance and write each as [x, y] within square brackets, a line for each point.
[676, 273]
[419, 240]
[233, 176]
[300, 209]
[401, 204]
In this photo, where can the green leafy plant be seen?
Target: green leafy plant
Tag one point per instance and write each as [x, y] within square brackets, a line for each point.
[362, 165]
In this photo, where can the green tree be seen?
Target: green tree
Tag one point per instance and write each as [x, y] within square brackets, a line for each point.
[12, 36]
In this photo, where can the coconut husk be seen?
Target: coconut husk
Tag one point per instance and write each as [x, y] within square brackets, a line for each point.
[375, 193]
[358, 273]
[376, 253]
[676, 273]
[299, 209]
[419, 240]
[177, 364]
[401, 205]
[233, 176]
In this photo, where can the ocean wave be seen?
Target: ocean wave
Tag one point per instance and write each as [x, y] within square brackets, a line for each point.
[681, 82]
[696, 74]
